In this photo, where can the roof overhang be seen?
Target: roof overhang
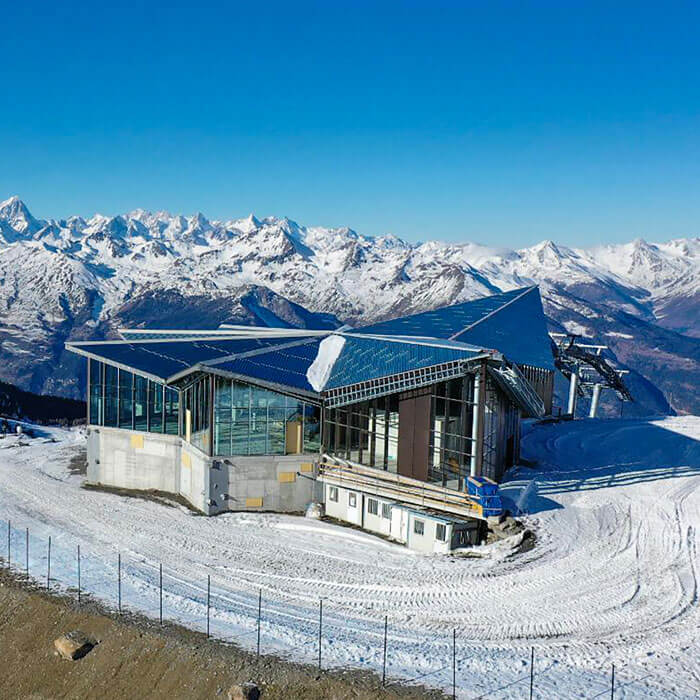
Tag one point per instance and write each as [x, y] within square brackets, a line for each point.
[208, 367]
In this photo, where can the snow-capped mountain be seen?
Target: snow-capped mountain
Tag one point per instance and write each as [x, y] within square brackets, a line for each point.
[80, 278]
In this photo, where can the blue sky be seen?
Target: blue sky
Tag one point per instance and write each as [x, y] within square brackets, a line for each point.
[502, 123]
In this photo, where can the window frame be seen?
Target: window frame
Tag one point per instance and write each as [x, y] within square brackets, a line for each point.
[352, 499]
[418, 527]
[373, 503]
[333, 494]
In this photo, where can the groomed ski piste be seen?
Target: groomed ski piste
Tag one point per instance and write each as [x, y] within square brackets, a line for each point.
[612, 577]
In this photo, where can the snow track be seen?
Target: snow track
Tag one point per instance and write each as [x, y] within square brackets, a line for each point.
[613, 576]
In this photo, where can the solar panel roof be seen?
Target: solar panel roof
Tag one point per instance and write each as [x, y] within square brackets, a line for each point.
[445, 322]
[163, 359]
[512, 323]
[518, 330]
[286, 366]
[370, 358]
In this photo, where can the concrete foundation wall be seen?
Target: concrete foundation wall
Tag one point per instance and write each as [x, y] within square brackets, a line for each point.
[133, 460]
[148, 461]
[268, 482]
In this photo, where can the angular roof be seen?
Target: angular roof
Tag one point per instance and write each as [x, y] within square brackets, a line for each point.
[363, 358]
[510, 324]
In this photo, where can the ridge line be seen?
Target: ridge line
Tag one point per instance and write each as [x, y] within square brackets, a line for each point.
[491, 313]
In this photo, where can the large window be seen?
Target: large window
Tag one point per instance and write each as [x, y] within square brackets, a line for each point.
[450, 438]
[367, 432]
[155, 407]
[196, 415]
[96, 381]
[250, 420]
[120, 399]
[172, 410]
[111, 400]
[140, 403]
[126, 399]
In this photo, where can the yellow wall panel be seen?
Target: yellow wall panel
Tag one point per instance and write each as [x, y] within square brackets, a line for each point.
[286, 477]
[186, 460]
[307, 467]
[137, 442]
[253, 502]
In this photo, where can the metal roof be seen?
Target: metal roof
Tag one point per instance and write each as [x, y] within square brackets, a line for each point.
[165, 359]
[511, 324]
[284, 366]
[445, 322]
[364, 358]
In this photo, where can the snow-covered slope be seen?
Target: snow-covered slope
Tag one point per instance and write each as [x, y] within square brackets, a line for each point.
[612, 577]
[83, 277]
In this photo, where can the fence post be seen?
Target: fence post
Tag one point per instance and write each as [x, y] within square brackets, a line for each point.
[27, 553]
[119, 580]
[259, 616]
[48, 567]
[320, 630]
[208, 601]
[532, 669]
[9, 548]
[612, 683]
[78, 575]
[386, 626]
[454, 664]
[160, 581]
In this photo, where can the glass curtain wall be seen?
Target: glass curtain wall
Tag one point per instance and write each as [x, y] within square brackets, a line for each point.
[366, 432]
[249, 420]
[121, 399]
[450, 438]
[196, 414]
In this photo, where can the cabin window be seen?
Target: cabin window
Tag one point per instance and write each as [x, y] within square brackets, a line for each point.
[372, 506]
[352, 500]
[386, 511]
[333, 494]
[440, 532]
[418, 527]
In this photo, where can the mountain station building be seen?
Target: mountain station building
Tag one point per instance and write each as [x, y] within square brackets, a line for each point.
[397, 427]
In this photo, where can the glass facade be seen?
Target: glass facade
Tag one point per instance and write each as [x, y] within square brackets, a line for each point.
[450, 438]
[195, 417]
[121, 399]
[368, 432]
[249, 420]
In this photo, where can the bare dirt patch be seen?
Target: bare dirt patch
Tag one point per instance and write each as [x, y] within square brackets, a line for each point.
[137, 658]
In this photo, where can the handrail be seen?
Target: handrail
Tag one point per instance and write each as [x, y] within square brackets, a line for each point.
[417, 493]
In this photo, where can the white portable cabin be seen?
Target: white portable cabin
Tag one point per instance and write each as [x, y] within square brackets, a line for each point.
[419, 529]
[369, 512]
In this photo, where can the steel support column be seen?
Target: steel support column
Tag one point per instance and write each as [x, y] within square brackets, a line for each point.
[477, 456]
[573, 386]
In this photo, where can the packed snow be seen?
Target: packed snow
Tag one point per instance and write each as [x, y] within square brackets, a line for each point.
[612, 577]
[320, 369]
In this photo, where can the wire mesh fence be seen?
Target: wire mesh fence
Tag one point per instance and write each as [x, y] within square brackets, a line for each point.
[263, 620]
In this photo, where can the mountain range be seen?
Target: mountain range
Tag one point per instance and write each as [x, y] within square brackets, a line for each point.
[81, 278]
